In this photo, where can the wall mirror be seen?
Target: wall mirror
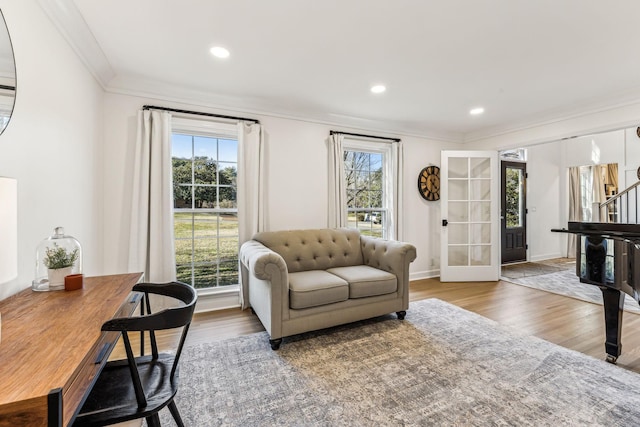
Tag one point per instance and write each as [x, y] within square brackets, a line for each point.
[7, 75]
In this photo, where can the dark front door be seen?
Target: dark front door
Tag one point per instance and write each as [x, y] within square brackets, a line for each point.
[514, 209]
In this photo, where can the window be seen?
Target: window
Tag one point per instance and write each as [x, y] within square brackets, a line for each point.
[205, 166]
[370, 186]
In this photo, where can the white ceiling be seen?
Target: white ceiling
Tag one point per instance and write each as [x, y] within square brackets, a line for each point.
[524, 61]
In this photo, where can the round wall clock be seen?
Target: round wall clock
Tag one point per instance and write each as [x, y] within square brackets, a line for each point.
[429, 183]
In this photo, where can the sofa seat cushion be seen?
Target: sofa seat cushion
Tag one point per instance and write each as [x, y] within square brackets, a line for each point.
[316, 287]
[365, 281]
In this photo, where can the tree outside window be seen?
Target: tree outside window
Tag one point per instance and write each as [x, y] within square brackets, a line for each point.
[365, 195]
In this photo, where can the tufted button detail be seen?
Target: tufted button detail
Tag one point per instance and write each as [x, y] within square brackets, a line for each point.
[345, 254]
[320, 241]
[303, 242]
[298, 259]
[286, 244]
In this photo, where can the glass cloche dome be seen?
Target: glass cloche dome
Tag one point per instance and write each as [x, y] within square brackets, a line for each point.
[57, 256]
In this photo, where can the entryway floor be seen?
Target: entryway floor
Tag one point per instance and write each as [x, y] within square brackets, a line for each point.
[528, 269]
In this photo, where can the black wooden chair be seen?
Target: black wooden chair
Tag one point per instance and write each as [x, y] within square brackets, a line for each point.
[139, 387]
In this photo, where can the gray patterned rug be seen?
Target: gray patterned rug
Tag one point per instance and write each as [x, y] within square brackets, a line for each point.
[565, 282]
[442, 366]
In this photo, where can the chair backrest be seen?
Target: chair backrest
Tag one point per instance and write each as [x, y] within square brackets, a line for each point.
[168, 318]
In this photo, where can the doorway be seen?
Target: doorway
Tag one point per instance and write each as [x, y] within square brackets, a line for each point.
[514, 212]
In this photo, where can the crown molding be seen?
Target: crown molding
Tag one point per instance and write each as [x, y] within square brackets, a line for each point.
[160, 91]
[68, 20]
[592, 107]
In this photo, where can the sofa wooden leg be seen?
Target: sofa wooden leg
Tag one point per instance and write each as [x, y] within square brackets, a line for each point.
[401, 314]
[275, 344]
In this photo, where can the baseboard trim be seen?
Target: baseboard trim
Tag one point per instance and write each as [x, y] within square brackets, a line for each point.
[545, 257]
[419, 275]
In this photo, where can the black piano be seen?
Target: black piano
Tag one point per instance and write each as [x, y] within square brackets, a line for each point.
[608, 256]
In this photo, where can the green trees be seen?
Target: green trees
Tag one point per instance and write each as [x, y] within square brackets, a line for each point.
[197, 183]
[513, 195]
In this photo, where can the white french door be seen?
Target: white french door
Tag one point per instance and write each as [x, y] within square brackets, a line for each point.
[470, 195]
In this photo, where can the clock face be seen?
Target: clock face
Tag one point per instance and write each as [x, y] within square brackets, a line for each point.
[429, 183]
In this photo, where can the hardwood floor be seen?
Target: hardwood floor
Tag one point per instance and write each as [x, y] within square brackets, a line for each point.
[565, 321]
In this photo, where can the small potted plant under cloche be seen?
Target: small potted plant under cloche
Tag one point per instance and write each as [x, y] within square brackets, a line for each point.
[59, 262]
[57, 257]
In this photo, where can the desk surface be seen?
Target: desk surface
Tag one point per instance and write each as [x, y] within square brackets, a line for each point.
[50, 340]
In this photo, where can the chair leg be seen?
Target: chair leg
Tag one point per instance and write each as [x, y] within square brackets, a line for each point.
[176, 415]
[153, 420]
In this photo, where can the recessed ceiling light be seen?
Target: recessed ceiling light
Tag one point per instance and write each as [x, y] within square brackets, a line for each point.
[378, 88]
[219, 52]
[476, 111]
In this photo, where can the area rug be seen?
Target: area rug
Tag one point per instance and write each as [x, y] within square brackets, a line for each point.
[566, 282]
[527, 269]
[441, 366]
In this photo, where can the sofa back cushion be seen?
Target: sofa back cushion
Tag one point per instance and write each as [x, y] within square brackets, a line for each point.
[319, 249]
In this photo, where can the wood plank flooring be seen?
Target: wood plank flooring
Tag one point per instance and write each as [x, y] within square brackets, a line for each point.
[565, 321]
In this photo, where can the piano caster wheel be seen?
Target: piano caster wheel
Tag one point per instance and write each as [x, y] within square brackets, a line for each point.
[611, 359]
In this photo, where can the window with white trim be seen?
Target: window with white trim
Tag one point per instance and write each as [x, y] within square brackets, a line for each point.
[369, 185]
[205, 166]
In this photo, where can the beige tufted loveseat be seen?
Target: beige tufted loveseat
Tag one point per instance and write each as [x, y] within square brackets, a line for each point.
[303, 280]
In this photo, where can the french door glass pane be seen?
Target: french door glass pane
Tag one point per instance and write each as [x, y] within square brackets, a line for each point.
[458, 234]
[458, 167]
[459, 211]
[480, 255]
[458, 256]
[481, 211]
[458, 189]
[480, 167]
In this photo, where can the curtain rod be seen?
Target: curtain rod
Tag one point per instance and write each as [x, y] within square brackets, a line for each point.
[363, 136]
[198, 113]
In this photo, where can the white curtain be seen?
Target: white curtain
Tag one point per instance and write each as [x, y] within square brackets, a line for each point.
[394, 189]
[599, 178]
[575, 207]
[337, 215]
[251, 189]
[151, 244]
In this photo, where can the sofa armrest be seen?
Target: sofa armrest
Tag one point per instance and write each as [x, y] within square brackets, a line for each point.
[391, 256]
[388, 255]
[262, 262]
[265, 285]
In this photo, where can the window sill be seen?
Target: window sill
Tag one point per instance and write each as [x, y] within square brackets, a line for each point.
[218, 298]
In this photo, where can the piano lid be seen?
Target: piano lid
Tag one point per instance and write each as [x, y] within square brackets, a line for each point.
[629, 232]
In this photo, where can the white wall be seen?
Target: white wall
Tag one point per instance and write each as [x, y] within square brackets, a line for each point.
[545, 201]
[297, 191]
[52, 144]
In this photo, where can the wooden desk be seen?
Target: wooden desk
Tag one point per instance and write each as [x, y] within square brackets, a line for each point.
[50, 344]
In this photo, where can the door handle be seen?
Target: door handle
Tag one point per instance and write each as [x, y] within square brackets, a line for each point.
[445, 222]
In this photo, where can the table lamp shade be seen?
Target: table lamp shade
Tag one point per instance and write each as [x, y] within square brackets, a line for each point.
[8, 229]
